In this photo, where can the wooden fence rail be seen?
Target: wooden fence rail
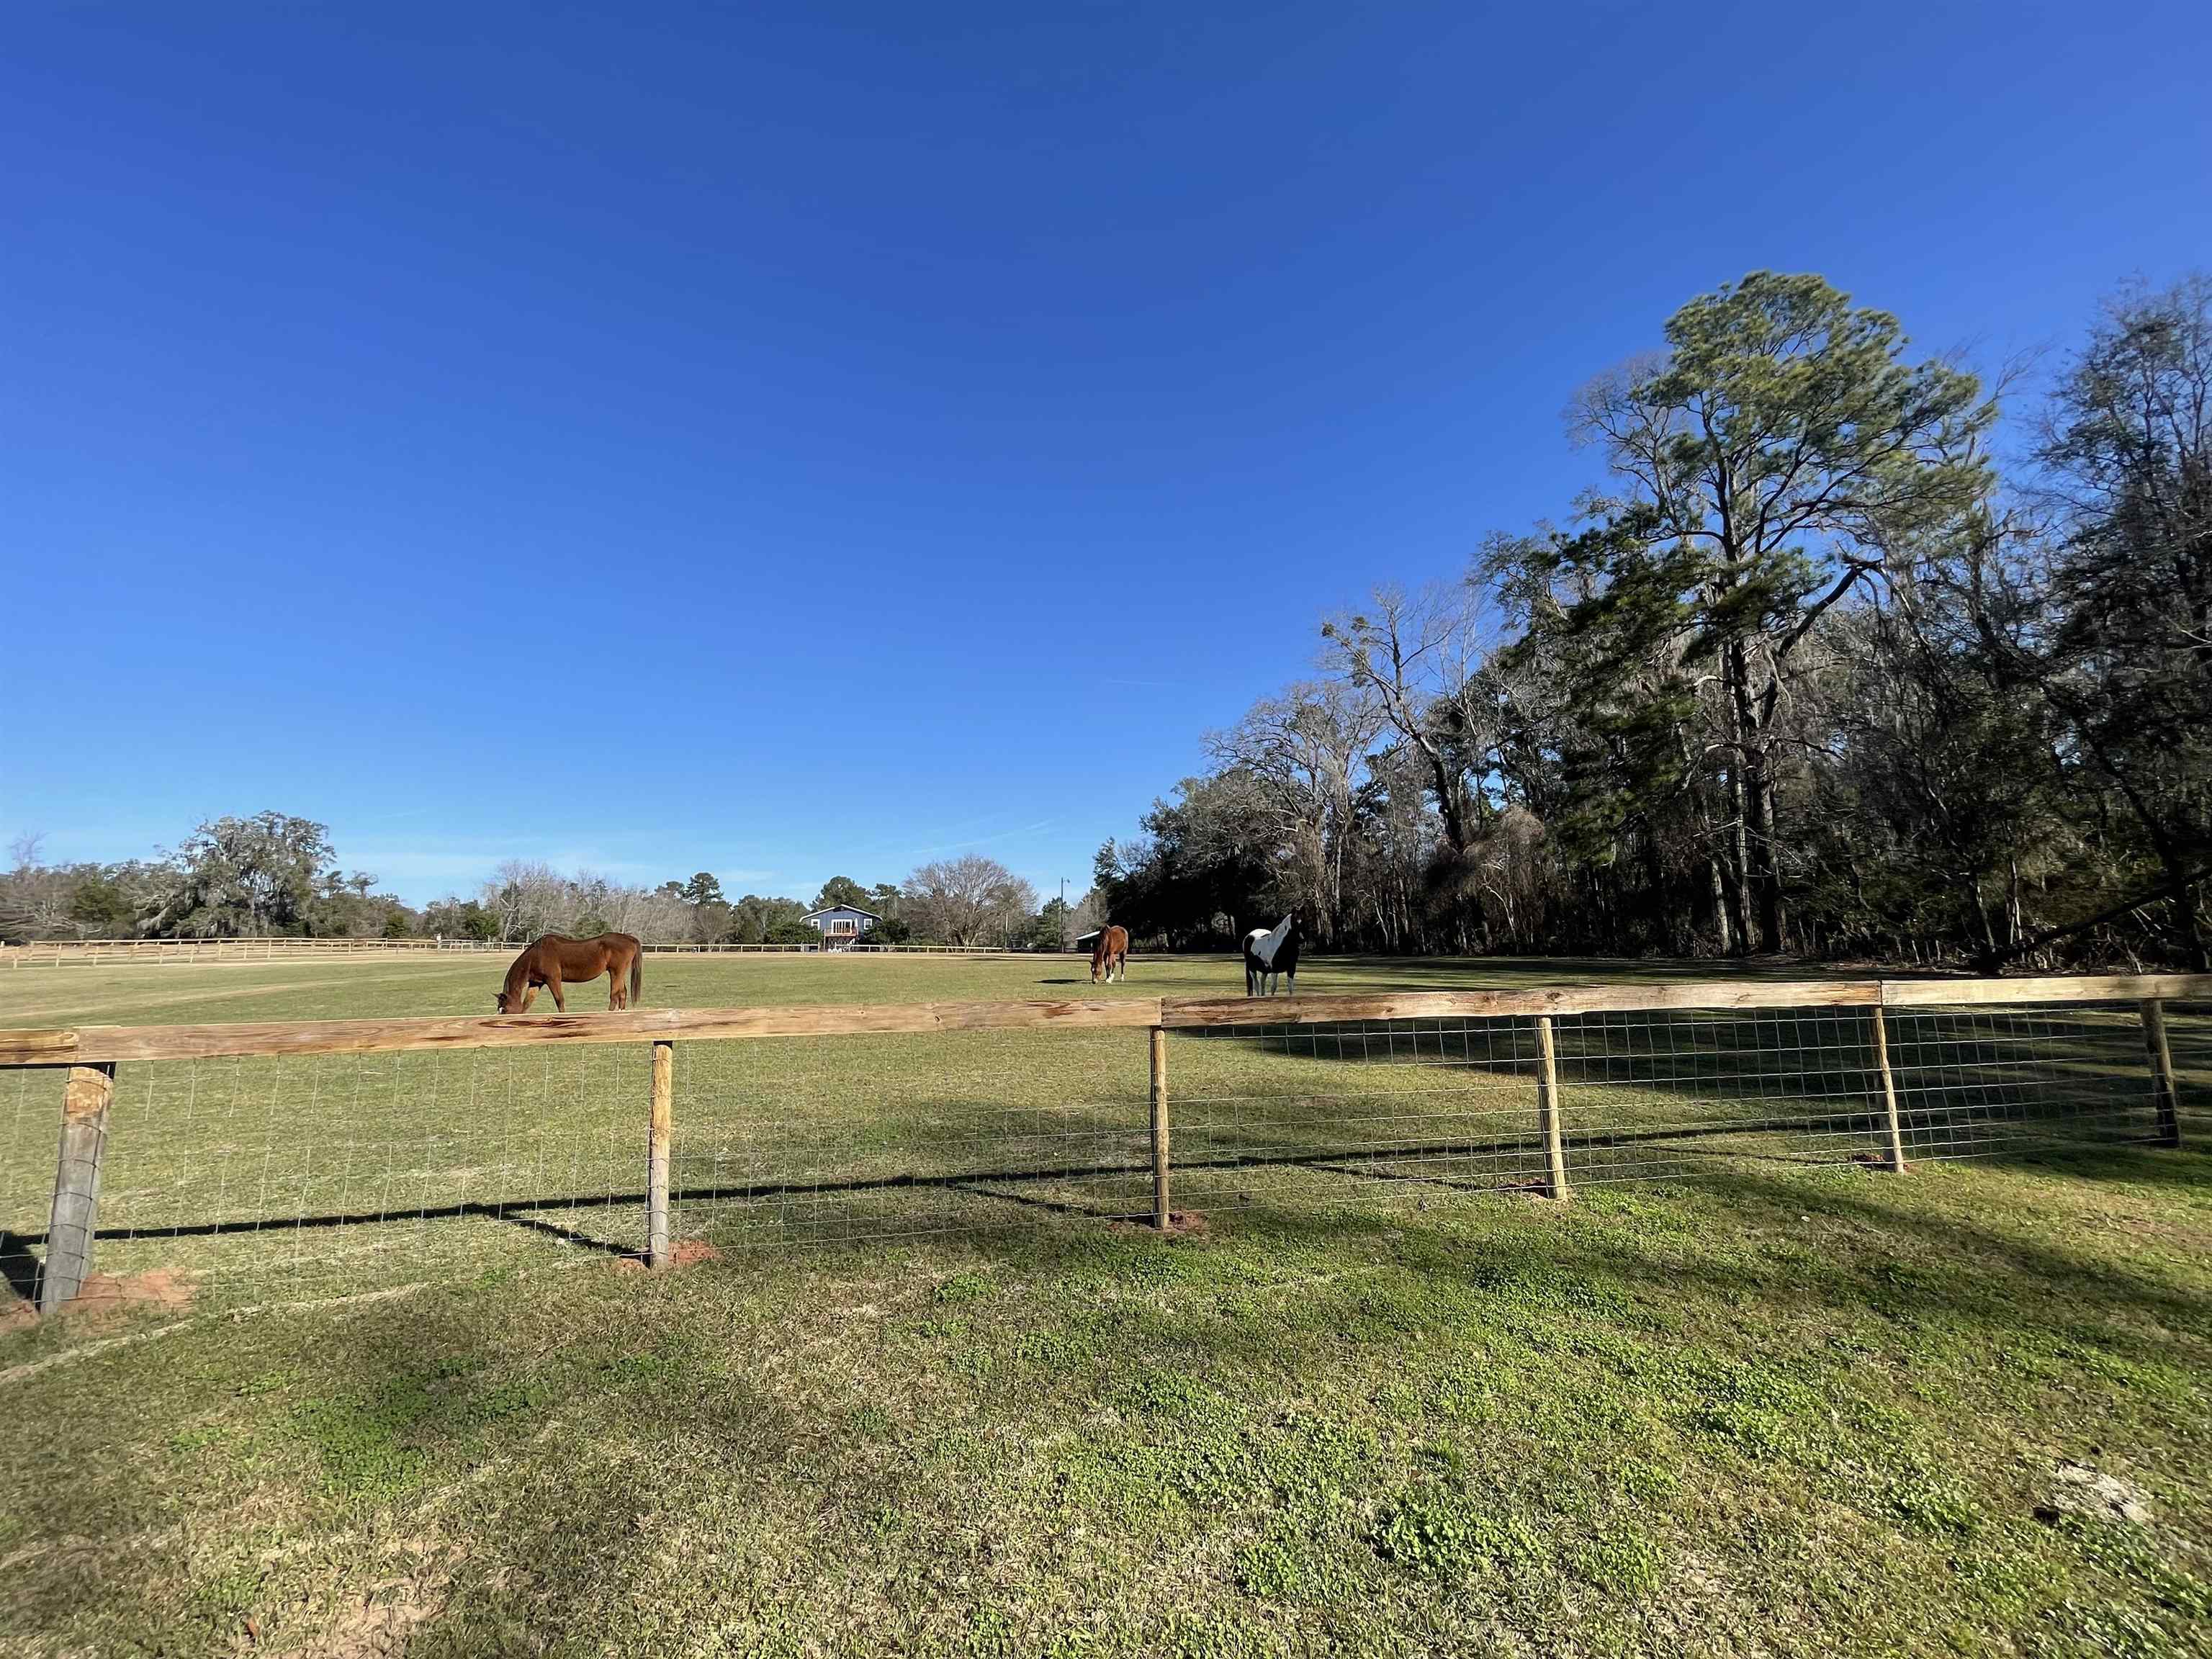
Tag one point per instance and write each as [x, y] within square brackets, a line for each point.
[91, 1053]
[48, 953]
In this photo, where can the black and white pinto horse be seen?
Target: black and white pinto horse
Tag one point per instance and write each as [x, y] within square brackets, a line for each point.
[1272, 953]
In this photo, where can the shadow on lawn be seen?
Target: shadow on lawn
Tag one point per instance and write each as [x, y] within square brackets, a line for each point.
[1467, 1162]
[1342, 1157]
[19, 1268]
[1910, 1262]
[702, 1421]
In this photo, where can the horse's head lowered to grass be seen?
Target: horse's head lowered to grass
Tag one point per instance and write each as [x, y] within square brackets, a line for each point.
[554, 960]
[1110, 955]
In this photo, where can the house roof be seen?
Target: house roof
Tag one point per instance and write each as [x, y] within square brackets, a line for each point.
[844, 909]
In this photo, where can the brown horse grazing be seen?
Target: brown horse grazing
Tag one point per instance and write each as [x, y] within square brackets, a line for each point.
[1111, 954]
[554, 962]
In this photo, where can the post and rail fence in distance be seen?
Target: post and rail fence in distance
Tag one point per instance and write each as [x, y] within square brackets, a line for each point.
[116, 952]
[293, 1135]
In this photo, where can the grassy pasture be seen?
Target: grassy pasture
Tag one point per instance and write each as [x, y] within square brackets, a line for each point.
[1376, 1404]
[150, 994]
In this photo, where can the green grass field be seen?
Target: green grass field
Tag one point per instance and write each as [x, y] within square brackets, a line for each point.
[915, 1394]
[464, 984]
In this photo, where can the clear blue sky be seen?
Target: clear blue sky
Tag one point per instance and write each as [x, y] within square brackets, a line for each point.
[828, 437]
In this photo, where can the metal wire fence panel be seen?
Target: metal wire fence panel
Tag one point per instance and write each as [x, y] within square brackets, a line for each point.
[1404, 1104]
[1974, 1082]
[302, 1175]
[1653, 1095]
[30, 1120]
[789, 1140]
[2188, 1037]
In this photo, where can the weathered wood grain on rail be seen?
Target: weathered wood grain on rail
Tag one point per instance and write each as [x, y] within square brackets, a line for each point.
[106, 1044]
[1116, 1013]
[90, 1044]
[2074, 988]
[38, 1048]
[1187, 1012]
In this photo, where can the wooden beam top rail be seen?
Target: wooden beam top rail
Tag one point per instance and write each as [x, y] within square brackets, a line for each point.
[2105, 988]
[1189, 1012]
[88, 1045]
[102, 1044]
[39, 1048]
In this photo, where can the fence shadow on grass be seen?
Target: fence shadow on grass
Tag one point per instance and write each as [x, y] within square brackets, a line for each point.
[1903, 1258]
[19, 1268]
[1461, 1162]
[398, 1407]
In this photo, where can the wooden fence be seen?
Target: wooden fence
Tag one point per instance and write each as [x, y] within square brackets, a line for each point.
[91, 1055]
[54, 953]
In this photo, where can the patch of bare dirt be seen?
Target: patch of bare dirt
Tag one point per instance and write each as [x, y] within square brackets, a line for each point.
[110, 1296]
[1181, 1224]
[2078, 1489]
[381, 1622]
[688, 1254]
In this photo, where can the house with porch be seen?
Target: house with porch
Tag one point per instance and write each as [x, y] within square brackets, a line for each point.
[841, 926]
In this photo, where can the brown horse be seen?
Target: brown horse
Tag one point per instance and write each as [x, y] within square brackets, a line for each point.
[554, 962]
[1110, 954]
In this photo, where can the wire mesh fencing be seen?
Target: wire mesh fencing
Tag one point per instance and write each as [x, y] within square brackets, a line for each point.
[248, 1178]
[1641, 1095]
[822, 1140]
[1362, 1107]
[241, 1176]
[1977, 1081]
[2189, 1025]
[1658, 1095]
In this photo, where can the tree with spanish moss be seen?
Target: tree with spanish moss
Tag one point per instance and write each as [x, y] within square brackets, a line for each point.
[1774, 455]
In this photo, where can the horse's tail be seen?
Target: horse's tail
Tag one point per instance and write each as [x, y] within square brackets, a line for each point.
[636, 972]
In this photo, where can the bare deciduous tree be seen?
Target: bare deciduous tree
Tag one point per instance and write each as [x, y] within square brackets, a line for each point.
[1419, 655]
[1307, 750]
[529, 896]
[969, 900]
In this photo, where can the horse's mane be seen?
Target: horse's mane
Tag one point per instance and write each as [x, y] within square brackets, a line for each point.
[1265, 945]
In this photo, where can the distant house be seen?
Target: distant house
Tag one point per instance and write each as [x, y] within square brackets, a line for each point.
[841, 926]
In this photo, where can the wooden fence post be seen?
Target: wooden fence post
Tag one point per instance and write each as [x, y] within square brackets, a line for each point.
[1888, 1089]
[1547, 1108]
[1160, 1211]
[2164, 1095]
[75, 1215]
[657, 1136]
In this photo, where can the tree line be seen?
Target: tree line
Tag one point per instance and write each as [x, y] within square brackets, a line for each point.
[1810, 673]
[275, 875]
